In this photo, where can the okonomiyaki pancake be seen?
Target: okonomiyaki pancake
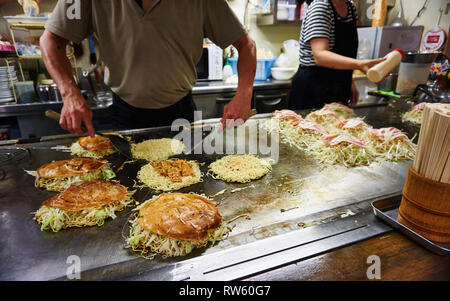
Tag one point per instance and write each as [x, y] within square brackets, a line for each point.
[58, 175]
[173, 224]
[86, 203]
[94, 147]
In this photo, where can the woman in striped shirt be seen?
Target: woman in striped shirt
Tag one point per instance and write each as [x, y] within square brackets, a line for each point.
[328, 48]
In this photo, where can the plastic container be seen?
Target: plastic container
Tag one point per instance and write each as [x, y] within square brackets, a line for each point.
[410, 76]
[364, 50]
[281, 73]
[414, 70]
[55, 96]
[292, 9]
[227, 71]
[25, 91]
[283, 11]
[263, 68]
[378, 72]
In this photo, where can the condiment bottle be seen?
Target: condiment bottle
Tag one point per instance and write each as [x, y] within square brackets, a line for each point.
[378, 72]
[227, 70]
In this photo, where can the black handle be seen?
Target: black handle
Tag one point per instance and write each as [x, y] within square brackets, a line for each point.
[223, 100]
[25, 141]
[271, 100]
[422, 88]
[269, 97]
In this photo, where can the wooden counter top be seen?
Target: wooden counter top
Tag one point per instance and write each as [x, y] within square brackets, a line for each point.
[401, 260]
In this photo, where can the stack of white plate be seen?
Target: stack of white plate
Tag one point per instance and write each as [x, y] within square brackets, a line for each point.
[6, 92]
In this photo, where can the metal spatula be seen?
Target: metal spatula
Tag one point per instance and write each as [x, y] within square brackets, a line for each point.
[121, 144]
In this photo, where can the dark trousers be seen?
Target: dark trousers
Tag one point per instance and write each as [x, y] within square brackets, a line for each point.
[313, 87]
[126, 117]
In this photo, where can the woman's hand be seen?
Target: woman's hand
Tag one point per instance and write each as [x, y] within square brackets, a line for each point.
[328, 59]
[365, 65]
[355, 95]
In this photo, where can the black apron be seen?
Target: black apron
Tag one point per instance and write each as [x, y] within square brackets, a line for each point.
[313, 87]
[126, 117]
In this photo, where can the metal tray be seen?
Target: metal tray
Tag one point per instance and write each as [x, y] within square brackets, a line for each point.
[387, 211]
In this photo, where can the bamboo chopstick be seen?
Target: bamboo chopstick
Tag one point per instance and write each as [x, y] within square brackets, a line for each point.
[433, 150]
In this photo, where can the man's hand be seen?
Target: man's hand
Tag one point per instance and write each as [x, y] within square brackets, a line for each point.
[74, 114]
[239, 107]
[75, 111]
[236, 111]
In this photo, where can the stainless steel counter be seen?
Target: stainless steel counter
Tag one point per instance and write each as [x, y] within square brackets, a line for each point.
[324, 208]
[220, 87]
[201, 88]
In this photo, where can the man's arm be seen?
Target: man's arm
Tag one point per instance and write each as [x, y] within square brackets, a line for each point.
[75, 110]
[239, 107]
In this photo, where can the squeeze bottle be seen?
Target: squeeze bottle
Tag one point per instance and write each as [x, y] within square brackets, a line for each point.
[378, 72]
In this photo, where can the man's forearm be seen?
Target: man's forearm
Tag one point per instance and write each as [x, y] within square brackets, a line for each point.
[57, 64]
[246, 66]
[75, 111]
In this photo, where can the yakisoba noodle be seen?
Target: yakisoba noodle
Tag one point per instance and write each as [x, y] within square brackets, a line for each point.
[157, 149]
[152, 178]
[239, 168]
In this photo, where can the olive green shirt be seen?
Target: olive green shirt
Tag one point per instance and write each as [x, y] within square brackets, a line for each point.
[150, 57]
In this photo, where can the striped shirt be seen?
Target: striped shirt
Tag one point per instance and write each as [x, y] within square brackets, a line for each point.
[319, 23]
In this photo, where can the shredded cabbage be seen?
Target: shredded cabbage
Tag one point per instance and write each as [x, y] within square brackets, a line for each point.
[413, 116]
[150, 244]
[61, 184]
[56, 219]
[398, 149]
[348, 155]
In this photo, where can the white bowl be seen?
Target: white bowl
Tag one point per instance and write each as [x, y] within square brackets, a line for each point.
[281, 73]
